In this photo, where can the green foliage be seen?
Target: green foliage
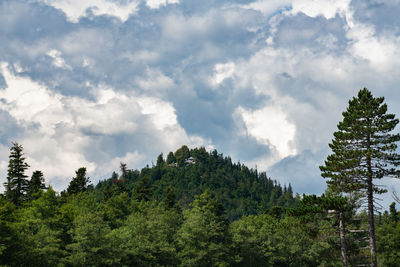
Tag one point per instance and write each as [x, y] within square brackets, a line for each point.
[242, 191]
[116, 209]
[265, 240]
[36, 185]
[142, 191]
[171, 158]
[7, 231]
[17, 183]
[252, 240]
[170, 215]
[38, 231]
[363, 147]
[147, 237]
[181, 155]
[203, 237]
[388, 244]
[79, 183]
[364, 150]
[90, 243]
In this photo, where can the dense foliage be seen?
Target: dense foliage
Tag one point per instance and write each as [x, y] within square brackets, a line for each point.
[138, 220]
[241, 191]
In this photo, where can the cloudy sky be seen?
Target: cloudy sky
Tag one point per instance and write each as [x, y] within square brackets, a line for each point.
[96, 82]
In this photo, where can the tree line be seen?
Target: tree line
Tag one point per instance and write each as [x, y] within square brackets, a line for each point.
[198, 208]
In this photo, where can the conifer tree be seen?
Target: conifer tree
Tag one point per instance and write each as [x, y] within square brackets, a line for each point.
[35, 184]
[17, 183]
[171, 158]
[203, 238]
[364, 150]
[142, 191]
[79, 183]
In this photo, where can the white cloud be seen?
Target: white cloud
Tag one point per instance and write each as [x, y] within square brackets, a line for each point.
[267, 7]
[158, 3]
[381, 52]
[74, 9]
[222, 72]
[58, 61]
[155, 80]
[269, 126]
[161, 113]
[156, 66]
[326, 8]
[130, 159]
[56, 126]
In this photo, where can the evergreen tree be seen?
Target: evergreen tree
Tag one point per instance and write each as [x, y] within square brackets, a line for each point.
[170, 198]
[160, 160]
[181, 155]
[35, 184]
[17, 183]
[79, 183]
[142, 191]
[363, 151]
[328, 203]
[171, 158]
[393, 213]
[203, 238]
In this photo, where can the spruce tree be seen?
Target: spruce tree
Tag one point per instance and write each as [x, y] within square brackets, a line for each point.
[17, 183]
[364, 151]
[35, 184]
[79, 183]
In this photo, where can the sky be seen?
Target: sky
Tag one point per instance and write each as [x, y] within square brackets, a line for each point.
[92, 83]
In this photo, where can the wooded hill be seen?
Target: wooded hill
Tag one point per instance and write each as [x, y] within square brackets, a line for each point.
[189, 172]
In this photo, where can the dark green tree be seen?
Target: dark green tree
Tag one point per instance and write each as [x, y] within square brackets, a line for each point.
[160, 160]
[393, 213]
[36, 184]
[330, 203]
[79, 183]
[171, 158]
[203, 238]
[363, 150]
[182, 154]
[17, 183]
[90, 243]
[147, 237]
[170, 198]
[142, 191]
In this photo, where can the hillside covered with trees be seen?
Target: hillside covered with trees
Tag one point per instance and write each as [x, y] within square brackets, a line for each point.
[189, 172]
[198, 208]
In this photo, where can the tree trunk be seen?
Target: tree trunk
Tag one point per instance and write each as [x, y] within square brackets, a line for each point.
[370, 197]
[372, 243]
[342, 239]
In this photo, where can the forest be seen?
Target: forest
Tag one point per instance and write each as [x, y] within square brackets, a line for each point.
[198, 208]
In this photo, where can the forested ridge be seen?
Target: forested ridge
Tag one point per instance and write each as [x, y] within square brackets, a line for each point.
[189, 172]
[198, 208]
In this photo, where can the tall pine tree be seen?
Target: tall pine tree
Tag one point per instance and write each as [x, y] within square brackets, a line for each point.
[364, 150]
[17, 183]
